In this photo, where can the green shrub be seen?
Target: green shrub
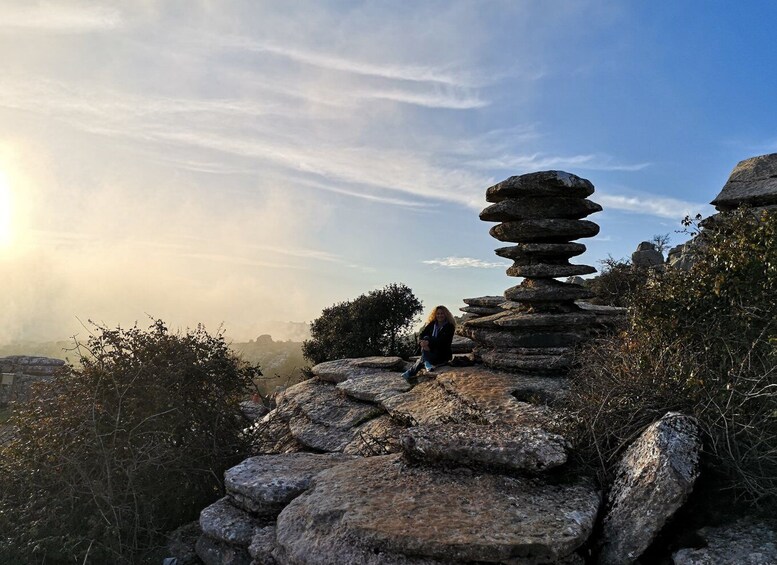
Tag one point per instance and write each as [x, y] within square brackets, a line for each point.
[702, 342]
[376, 323]
[131, 443]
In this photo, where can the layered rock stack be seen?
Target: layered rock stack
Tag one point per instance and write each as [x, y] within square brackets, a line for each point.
[541, 214]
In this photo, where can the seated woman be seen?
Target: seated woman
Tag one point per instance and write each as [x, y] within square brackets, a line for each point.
[435, 341]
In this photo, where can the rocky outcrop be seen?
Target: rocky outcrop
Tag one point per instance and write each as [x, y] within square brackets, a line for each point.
[380, 505]
[534, 329]
[746, 542]
[19, 372]
[647, 256]
[475, 481]
[652, 481]
[752, 182]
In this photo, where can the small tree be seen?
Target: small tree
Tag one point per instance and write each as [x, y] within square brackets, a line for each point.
[130, 444]
[376, 323]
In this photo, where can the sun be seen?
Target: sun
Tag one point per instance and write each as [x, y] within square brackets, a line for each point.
[6, 214]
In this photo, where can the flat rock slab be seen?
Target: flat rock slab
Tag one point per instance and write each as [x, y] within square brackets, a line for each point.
[481, 310]
[377, 437]
[214, 552]
[540, 184]
[341, 369]
[322, 417]
[546, 291]
[375, 387]
[753, 181]
[500, 446]
[652, 481]
[378, 504]
[527, 208]
[745, 542]
[479, 395]
[519, 360]
[462, 344]
[223, 521]
[543, 231]
[545, 320]
[484, 301]
[266, 483]
[549, 250]
[507, 398]
[548, 270]
[507, 338]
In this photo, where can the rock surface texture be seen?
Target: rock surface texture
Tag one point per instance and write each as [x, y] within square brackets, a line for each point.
[652, 481]
[753, 182]
[746, 542]
[467, 466]
[535, 327]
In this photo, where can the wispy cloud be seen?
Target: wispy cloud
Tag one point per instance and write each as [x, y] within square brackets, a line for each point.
[55, 17]
[670, 208]
[464, 263]
[336, 62]
[539, 161]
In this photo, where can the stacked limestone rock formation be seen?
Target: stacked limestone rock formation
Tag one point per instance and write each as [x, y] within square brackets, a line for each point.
[358, 466]
[19, 372]
[539, 323]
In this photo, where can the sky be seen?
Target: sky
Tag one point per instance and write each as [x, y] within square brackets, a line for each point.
[243, 163]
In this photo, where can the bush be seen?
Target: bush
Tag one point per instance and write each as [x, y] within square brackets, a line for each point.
[131, 443]
[702, 342]
[617, 283]
[376, 323]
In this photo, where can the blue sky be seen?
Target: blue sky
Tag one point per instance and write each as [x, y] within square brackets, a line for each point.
[250, 162]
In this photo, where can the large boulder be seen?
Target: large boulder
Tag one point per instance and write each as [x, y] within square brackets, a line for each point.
[647, 255]
[225, 522]
[378, 510]
[746, 542]
[753, 182]
[652, 481]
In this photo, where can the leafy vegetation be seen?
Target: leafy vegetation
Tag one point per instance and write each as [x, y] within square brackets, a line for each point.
[703, 342]
[132, 443]
[376, 323]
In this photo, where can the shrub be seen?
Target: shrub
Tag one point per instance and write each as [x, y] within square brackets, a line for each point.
[617, 283]
[131, 443]
[702, 342]
[376, 323]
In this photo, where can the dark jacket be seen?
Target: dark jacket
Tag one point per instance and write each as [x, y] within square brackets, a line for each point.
[440, 345]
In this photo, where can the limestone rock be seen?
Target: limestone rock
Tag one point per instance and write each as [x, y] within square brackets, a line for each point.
[546, 291]
[341, 369]
[545, 230]
[502, 338]
[263, 546]
[518, 360]
[378, 504]
[253, 410]
[753, 181]
[481, 310]
[214, 552]
[322, 417]
[374, 387]
[544, 250]
[745, 542]
[484, 301]
[501, 446]
[462, 344]
[548, 270]
[652, 481]
[647, 255]
[266, 483]
[521, 320]
[181, 544]
[533, 208]
[428, 403]
[223, 521]
[377, 437]
[541, 184]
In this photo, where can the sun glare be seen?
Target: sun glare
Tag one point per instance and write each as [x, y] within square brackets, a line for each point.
[6, 233]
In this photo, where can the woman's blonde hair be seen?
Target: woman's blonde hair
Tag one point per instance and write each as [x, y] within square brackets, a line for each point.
[448, 316]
